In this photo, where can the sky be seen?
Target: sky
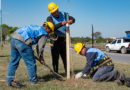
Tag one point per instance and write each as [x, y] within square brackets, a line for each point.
[110, 17]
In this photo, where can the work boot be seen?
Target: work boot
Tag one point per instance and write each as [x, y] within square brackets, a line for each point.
[120, 82]
[16, 84]
[117, 74]
[126, 80]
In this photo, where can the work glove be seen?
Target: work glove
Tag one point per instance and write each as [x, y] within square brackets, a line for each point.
[78, 75]
[84, 76]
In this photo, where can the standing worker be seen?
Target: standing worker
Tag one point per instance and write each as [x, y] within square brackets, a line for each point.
[58, 39]
[95, 57]
[21, 46]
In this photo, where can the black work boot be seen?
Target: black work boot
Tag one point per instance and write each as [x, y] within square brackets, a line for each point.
[16, 84]
[120, 82]
[126, 80]
[117, 74]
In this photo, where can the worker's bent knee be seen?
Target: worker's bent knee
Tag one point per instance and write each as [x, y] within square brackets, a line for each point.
[95, 79]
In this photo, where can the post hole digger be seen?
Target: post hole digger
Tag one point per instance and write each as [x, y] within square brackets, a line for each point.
[51, 69]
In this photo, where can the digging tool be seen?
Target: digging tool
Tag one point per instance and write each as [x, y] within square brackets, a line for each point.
[50, 69]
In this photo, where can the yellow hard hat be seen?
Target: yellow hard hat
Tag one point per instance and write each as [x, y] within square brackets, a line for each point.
[52, 7]
[50, 25]
[78, 47]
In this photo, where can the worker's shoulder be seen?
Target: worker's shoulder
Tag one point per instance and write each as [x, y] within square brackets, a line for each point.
[92, 50]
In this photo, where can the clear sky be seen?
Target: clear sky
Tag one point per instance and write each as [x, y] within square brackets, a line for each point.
[110, 17]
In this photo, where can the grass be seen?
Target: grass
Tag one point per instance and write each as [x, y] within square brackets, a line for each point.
[50, 83]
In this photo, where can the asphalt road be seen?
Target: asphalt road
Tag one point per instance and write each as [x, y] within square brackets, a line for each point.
[118, 57]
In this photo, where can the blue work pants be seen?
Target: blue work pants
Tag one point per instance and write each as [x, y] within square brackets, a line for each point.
[105, 73]
[18, 50]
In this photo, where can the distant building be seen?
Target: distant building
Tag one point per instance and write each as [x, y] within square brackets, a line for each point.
[110, 39]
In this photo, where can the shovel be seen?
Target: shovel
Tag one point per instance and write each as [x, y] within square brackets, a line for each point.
[51, 69]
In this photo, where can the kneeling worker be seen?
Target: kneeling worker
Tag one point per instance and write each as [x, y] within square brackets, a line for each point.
[21, 46]
[95, 57]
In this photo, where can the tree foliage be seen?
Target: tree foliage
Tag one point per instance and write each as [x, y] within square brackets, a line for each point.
[80, 39]
[11, 31]
[101, 40]
[97, 34]
[7, 30]
[75, 40]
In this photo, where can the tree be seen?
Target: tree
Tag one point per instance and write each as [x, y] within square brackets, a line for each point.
[97, 34]
[88, 39]
[11, 31]
[7, 30]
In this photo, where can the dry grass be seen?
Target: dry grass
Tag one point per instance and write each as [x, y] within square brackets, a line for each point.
[50, 83]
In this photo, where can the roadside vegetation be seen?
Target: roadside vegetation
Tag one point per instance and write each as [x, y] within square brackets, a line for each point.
[50, 83]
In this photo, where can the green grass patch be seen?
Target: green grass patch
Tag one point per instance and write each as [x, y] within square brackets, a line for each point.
[50, 83]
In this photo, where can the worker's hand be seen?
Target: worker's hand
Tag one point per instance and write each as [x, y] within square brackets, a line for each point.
[63, 22]
[78, 75]
[70, 21]
[42, 62]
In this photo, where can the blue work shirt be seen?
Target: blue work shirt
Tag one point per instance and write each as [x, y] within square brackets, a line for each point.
[92, 55]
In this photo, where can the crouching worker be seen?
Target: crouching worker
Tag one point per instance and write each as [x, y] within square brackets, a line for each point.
[96, 57]
[21, 46]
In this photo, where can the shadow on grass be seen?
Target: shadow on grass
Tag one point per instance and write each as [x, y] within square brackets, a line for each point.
[47, 77]
[50, 77]
[4, 55]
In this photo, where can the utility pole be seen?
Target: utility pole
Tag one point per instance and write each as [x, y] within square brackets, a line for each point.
[92, 45]
[92, 36]
[1, 23]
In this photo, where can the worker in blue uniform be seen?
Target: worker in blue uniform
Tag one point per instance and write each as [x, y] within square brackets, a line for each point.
[95, 57]
[58, 39]
[21, 46]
